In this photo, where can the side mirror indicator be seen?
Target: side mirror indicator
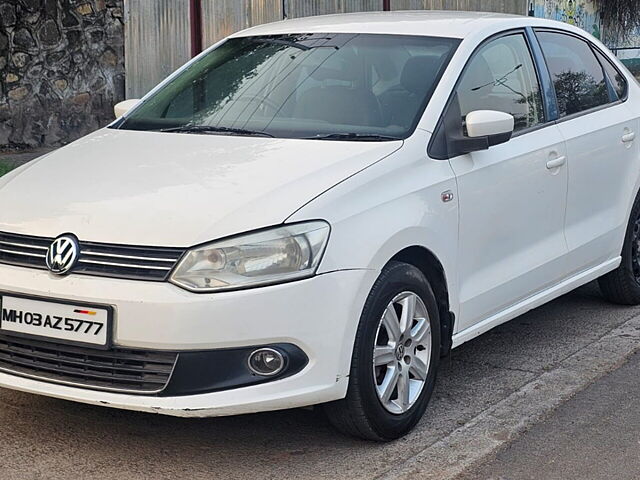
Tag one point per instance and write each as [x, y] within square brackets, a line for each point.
[123, 107]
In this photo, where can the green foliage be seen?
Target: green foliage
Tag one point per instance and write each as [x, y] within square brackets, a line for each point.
[633, 64]
[578, 90]
[4, 168]
[619, 17]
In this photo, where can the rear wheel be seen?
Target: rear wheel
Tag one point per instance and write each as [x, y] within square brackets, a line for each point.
[395, 358]
[622, 285]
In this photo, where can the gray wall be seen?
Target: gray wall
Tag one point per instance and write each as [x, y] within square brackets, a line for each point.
[61, 69]
[147, 64]
[221, 18]
[306, 8]
[157, 41]
[224, 17]
[519, 7]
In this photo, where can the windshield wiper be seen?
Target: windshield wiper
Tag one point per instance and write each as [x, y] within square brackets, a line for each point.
[363, 137]
[288, 43]
[291, 43]
[212, 129]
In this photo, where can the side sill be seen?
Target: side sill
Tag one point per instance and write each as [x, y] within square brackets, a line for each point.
[535, 301]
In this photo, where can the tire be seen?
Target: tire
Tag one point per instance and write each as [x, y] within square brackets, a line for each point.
[622, 285]
[364, 412]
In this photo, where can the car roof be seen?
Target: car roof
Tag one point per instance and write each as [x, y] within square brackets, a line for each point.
[431, 23]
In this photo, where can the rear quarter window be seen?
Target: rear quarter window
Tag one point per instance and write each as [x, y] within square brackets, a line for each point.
[616, 78]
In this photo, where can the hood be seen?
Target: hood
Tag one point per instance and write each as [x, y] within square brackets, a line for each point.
[171, 189]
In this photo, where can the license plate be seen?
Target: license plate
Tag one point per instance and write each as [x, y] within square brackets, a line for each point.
[50, 320]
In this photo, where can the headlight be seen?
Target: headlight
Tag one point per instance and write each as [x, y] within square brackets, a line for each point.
[271, 256]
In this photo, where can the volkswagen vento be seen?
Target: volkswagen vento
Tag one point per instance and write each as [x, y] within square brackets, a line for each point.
[313, 212]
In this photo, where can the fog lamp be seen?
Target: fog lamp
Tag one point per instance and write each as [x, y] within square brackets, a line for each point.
[266, 362]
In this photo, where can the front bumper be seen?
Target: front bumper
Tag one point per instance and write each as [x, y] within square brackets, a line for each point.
[318, 315]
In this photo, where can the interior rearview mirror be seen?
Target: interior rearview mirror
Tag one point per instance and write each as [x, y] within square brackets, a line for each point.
[123, 107]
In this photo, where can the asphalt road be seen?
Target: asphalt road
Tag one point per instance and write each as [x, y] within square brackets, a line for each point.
[54, 439]
[595, 436]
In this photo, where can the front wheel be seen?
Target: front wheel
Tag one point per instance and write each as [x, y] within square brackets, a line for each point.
[622, 285]
[395, 358]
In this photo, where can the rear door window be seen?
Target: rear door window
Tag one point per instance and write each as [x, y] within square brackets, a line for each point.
[575, 72]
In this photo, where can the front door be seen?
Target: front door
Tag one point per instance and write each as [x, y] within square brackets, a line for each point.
[512, 197]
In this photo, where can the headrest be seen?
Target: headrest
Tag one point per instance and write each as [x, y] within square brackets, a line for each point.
[324, 73]
[477, 75]
[419, 73]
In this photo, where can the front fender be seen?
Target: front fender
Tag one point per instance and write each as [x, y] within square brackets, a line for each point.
[393, 204]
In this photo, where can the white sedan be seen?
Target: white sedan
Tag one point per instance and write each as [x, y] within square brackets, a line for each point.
[313, 212]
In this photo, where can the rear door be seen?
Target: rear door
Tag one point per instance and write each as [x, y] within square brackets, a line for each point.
[512, 196]
[600, 130]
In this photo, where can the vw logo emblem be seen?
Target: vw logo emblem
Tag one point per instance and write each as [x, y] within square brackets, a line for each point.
[63, 254]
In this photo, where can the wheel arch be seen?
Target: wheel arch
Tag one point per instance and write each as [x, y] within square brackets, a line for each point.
[427, 262]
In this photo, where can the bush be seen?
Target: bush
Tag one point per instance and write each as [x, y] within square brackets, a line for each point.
[633, 64]
[620, 18]
[4, 168]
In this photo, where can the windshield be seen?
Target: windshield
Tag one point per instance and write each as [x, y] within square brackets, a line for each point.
[336, 86]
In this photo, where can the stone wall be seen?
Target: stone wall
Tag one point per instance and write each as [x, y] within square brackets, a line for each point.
[61, 69]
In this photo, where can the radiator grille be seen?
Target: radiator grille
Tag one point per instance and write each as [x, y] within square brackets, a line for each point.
[122, 370]
[99, 259]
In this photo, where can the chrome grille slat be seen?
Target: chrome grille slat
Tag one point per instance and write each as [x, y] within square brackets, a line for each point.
[128, 257]
[123, 370]
[24, 254]
[124, 265]
[22, 245]
[97, 259]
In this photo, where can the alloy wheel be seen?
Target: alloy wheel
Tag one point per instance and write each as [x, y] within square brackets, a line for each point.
[402, 352]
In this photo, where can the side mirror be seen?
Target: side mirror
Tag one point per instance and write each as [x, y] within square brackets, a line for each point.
[485, 128]
[123, 107]
[489, 123]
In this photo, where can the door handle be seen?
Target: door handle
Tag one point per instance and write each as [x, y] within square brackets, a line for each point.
[628, 137]
[556, 162]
